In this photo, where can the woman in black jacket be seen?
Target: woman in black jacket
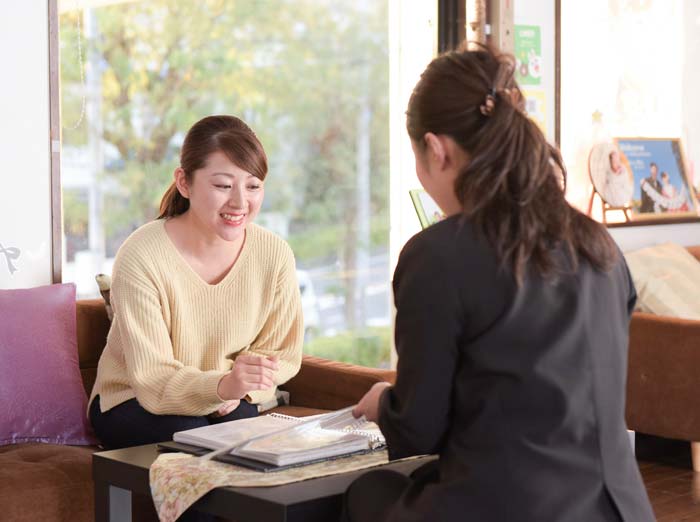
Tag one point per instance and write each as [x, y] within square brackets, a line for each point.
[511, 327]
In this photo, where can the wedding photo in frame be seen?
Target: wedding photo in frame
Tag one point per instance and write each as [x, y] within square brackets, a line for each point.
[612, 180]
[648, 176]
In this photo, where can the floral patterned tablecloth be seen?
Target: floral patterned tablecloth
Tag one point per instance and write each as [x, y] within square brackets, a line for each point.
[178, 480]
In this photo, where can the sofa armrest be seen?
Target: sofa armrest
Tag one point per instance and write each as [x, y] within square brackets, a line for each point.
[663, 380]
[331, 385]
[93, 327]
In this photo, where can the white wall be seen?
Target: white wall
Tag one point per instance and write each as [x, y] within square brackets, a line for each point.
[25, 199]
[632, 238]
[691, 86]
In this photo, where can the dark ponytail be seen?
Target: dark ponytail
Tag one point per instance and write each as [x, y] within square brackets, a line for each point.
[227, 134]
[512, 188]
[173, 203]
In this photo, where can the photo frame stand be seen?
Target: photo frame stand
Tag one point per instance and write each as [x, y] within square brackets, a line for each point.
[605, 207]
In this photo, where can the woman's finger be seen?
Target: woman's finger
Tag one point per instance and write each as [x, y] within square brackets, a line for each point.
[256, 373]
[250, 380]
[252, 369]
[257, 361]
[265, 384]
[230, 408]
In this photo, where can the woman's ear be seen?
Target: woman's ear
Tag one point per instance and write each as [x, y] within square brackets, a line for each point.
[181, 182]
[435, 150]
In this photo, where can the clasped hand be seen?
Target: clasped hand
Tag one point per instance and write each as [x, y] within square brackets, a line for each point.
[249, 373]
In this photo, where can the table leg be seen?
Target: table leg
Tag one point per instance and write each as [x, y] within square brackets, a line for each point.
[112, 504]
[695, 455]
[101, 501]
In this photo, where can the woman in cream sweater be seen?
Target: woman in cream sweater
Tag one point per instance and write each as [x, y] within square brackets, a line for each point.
[207, 311]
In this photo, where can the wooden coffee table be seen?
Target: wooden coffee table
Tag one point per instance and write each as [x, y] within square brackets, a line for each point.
[117, 473]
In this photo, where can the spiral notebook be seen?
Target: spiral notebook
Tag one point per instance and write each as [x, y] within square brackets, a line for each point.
[275, 441]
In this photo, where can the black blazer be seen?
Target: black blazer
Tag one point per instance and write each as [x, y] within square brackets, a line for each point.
[521, 391]
[647, 204]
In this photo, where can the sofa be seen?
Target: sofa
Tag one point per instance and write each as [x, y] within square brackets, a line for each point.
[664, 376]
[46, 482]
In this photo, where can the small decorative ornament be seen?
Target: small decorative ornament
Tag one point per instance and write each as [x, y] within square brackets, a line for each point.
[11, 254]
[489, 104]
[104, 282]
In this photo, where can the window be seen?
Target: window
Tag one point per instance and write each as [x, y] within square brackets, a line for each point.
[311, 77]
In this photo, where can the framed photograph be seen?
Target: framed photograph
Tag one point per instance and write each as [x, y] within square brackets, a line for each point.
[428, 211]
[611, 177]
[656, 168]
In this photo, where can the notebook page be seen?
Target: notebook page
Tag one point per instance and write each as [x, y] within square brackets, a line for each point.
[217, 436]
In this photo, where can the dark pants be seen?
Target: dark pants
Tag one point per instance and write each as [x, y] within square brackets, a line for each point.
[129, 424]
[372, 496]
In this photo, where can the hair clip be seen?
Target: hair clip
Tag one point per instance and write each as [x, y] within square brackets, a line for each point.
[489, 103]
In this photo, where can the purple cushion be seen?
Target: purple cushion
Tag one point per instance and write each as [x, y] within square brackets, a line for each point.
[41, 393]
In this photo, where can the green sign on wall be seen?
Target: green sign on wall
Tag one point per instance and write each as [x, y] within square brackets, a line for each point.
[528, 54]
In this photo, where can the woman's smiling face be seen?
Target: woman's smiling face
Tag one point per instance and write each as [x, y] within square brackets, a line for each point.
[223, 197]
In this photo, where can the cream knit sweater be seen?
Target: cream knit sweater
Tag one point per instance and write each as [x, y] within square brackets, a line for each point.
[174, 336]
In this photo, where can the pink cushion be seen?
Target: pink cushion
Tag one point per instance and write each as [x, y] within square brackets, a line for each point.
[41, 393]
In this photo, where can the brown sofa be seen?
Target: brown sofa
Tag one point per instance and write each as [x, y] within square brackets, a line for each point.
[663, 381]
[54, 483]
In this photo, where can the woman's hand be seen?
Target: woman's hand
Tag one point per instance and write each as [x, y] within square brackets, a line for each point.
[249, 373]
[227, 408]
[369, 404]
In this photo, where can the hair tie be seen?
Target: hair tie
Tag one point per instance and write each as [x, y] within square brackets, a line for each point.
[489, 103]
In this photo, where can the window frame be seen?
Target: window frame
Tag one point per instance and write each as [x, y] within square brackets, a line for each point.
[55, 139]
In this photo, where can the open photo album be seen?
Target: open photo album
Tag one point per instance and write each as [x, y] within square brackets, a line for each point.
[427, 210]
[274, 442]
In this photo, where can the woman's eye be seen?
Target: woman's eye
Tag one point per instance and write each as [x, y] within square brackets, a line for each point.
[254, 187]
[223, 186]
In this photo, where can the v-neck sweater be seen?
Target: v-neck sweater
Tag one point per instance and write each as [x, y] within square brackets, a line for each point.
[174, 336]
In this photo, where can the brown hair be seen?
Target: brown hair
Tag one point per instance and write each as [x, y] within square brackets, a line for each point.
[512, 189]
[227, 134]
